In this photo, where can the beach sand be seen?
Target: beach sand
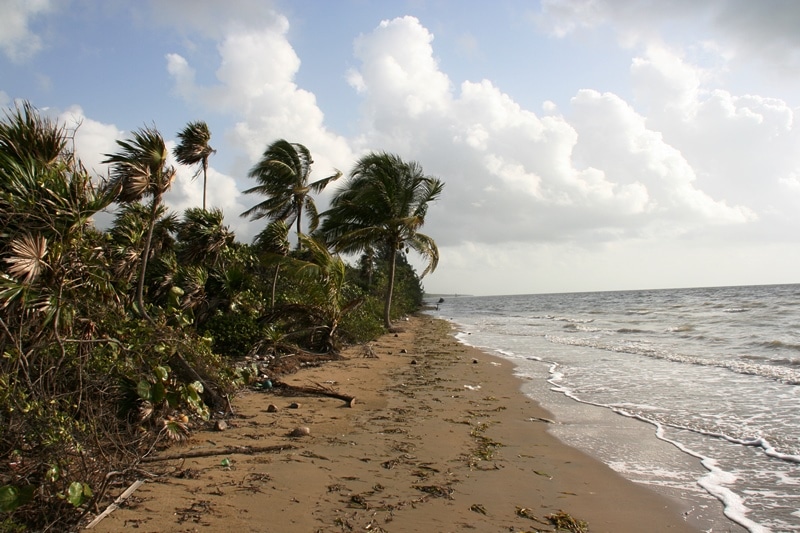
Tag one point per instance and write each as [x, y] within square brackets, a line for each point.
[438, 439]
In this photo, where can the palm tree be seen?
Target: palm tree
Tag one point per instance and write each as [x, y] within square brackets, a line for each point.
[283, 174]
[139, 170]
[193, 148]
[273, 242]
[314, 319]
[202, 237]
[383, 204]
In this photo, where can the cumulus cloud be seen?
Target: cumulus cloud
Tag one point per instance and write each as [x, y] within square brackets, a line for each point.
[607, 179]
[92, 139]
[255, 84]
[17, 40]
[597, 173]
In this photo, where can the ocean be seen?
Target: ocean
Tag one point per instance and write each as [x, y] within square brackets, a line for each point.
[693, 392]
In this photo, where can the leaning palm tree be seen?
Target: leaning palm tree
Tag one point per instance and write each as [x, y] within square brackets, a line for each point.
[383, 204]
[283, 174]
[193, 148]
[140, 170]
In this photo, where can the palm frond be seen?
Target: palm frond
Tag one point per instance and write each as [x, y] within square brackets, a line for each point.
[27, 259]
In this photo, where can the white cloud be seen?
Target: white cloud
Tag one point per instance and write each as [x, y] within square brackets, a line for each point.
[93, 139]
[255, 83]
[598, 173]
[17, 40]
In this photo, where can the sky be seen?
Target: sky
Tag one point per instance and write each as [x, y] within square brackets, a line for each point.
[585, 145]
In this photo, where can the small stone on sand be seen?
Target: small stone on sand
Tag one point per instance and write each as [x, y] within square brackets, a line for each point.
[301, 431]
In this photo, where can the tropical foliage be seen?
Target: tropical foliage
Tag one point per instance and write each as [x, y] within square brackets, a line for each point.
[283, 174]
[193, 148]
[383, 205]
[118, 341]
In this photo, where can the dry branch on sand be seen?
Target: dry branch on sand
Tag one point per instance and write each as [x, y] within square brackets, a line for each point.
[316, 390]
[228, 450]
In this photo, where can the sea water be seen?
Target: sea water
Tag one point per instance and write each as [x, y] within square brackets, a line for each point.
[694, 392]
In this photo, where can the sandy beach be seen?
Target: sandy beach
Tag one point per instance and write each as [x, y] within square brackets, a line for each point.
[438, 438]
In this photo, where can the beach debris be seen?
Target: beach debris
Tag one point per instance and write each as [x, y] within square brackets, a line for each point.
[368, 352]
[272, 408]
[564, 521]
[115, 505]
[188, 473]
[225, 463]
[301, 431]
[472, 387]
[540, 419]
[194, 513]
[316, 390]
[357, 500]
[264, 384]
[437, 491]
[228, 450]
[175, 428]
[220, 425]
[477, 508]
[524, 512]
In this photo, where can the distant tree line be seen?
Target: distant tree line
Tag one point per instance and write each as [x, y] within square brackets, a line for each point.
[112, 341]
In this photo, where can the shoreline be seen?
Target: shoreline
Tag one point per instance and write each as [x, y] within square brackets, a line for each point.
[440, 438]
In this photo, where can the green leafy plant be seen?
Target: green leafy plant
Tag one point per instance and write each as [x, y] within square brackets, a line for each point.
[12, 497]
[78, 493]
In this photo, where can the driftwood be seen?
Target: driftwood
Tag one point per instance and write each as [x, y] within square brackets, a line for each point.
[115, 505]
[228, 450]
[316, 390]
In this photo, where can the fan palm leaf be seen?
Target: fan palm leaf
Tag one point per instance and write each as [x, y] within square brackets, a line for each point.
[27, 259]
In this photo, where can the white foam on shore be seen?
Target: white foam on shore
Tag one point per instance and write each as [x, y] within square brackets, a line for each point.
[713, 482]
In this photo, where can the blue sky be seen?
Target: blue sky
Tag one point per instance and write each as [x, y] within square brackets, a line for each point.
[585, 144]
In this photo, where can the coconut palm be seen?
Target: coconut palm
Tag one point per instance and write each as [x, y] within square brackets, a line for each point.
[138, 170]
[283, 174]
[383, 204]
[193, 148]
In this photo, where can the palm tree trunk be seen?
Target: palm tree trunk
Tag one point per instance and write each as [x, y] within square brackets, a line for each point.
[274, 285]
[297, 230]
[205, 178]
[387, 307]
[145, 254]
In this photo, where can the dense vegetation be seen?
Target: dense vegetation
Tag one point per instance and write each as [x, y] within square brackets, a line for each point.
[115, 342]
